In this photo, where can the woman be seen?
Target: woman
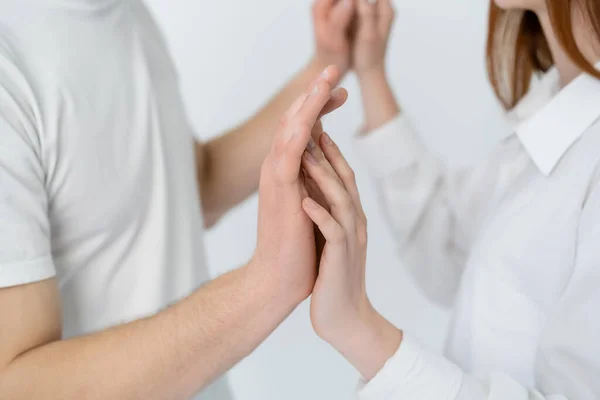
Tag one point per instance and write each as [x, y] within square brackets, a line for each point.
[512, 244]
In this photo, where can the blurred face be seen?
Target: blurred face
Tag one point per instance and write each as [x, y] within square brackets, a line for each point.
[533, 5]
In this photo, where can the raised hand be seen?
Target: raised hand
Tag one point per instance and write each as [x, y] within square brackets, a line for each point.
[341, 312]
[332, 20]
[286, 242]
[371, 33]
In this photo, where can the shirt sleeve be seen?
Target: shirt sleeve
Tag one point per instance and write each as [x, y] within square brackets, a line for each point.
[25, 251]
[567, 365]
[433, 210]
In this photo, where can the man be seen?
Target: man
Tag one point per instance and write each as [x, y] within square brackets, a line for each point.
[100, 218]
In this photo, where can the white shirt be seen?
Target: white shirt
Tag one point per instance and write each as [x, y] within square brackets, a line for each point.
[97, 169]
[513, 244]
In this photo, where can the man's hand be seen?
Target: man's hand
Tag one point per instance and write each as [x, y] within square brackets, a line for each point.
[332, 20]
[286, 241]
[370, 36]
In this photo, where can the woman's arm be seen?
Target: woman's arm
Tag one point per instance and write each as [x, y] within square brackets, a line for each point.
[567, 366]
[432, 210]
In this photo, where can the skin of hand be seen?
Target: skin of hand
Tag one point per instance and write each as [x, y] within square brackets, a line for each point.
[370, 35]
[332, 22]
[341, 312]
[286, 240]
[371, 32]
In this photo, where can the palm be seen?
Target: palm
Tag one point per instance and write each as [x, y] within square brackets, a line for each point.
[333, 291]
[296, 244]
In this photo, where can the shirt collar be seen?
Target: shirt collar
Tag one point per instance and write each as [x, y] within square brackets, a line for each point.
[548, 120]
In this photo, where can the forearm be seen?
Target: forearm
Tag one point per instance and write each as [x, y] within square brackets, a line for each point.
[414, 372]
[368, 343]
[171, 355]
[230, 167]
[379, 102]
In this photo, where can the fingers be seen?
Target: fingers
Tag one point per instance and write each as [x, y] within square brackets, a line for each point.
[318, 168]
[298, 123]
[386, 16]
[321, 9]
[368, 11]
[342, 169]
[332, 75]
[329, 227]
[338, 99]
[342, 13]
[309, 113]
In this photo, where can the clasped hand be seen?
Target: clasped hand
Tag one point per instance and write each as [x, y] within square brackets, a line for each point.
[312, 234]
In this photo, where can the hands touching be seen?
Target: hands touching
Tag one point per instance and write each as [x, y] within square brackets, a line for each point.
[285, 250]
[308, 198]
[339, 299]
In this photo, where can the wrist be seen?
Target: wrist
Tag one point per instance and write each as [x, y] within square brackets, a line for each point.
[369, 344]
[378, 98]
[369, 77]
[267, 279]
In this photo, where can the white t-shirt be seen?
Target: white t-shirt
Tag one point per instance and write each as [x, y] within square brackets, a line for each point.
[97, 169]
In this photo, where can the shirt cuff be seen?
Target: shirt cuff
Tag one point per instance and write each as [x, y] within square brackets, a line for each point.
[390, 147]
[28, 272]
[413, 373]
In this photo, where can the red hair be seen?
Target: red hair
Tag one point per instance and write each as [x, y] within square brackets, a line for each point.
[517, 48]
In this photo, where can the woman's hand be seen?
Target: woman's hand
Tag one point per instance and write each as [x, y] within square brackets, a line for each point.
[332, 20]
[341, 312]
[369, 46]
[371, 35]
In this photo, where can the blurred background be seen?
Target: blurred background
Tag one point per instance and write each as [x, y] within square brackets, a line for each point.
[233, 55]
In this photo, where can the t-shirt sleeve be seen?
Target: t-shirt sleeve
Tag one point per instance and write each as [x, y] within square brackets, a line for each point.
[25, 250]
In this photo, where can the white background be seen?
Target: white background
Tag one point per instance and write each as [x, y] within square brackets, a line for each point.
[233, 55]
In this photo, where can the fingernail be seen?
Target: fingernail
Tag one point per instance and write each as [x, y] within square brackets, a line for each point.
[311, 143]
[310, 203]
[326, 139]
[315, 89]
[325, 73]
[310, 158]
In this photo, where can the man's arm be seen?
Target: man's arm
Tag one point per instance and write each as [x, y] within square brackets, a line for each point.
[171, 355]
[177, 352]
[228, 167]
